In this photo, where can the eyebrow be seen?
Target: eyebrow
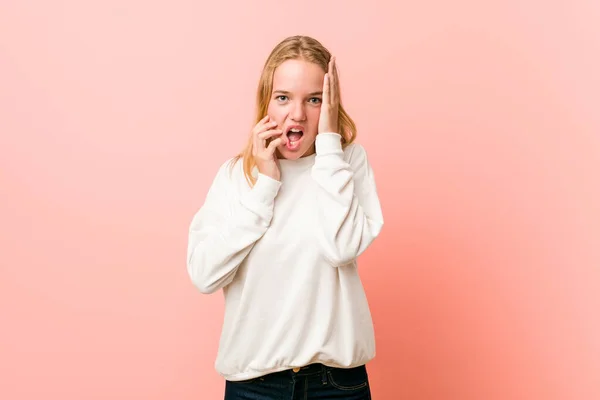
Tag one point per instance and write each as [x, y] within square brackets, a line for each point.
[319, 93]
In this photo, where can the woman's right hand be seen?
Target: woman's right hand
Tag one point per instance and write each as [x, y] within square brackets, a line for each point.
[264, 155]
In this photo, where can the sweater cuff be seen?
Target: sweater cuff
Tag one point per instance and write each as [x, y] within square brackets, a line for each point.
[265, 189]
[328, 143]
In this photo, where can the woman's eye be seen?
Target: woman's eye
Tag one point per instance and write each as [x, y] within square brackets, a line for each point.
[281, 98]
[315, 100]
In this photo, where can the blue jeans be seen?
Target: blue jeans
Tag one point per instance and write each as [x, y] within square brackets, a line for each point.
[313, 382]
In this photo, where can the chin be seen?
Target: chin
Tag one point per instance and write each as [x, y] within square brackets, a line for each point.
[296, 154]
[289, 155]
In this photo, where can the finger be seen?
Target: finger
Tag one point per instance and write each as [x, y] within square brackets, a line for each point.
[270, 133]
[333, 81]
[273, 145]
[261, 142]
[261, 127]
[335, 88]
[326, 89]
[255, 144]
[262, 121]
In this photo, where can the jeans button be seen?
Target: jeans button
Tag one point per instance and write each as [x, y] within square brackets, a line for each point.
[296, 370]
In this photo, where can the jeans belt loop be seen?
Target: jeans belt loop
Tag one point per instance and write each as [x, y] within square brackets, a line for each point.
[324, 374]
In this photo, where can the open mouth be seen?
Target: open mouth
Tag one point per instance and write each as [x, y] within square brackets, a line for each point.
[294, 136]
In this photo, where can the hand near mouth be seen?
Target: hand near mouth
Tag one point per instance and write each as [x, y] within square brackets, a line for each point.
[266, 138]
[328, 119]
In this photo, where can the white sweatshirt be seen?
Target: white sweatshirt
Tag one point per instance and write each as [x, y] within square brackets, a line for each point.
[284, 253]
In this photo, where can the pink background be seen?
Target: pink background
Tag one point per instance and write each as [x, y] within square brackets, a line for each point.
[481, 120]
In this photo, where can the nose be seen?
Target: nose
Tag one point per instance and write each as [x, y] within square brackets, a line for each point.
[298, 113]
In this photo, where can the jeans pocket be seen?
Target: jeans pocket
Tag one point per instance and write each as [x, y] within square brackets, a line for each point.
[267, 387]
[348, 378]
[248, 381]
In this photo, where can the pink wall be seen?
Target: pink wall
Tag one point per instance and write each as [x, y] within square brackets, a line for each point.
[482, 123]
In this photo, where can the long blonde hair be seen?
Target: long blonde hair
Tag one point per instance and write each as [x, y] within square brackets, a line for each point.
[293, 47]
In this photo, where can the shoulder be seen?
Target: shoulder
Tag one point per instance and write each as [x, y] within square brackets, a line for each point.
[354, 148]
[230, 169]
[230, 175]
[228, 182]
[355, 154]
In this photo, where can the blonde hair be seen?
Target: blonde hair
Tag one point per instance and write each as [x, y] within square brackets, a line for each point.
[293, 47]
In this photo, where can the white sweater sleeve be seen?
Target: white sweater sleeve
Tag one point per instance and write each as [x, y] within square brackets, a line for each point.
[226, 227]
[349, 208]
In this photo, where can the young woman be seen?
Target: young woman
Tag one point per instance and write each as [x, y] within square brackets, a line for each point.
[279, 232]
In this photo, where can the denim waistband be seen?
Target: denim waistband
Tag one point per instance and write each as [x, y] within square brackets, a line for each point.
[310, 369]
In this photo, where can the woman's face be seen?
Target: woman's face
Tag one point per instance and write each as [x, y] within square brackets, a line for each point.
[295, 105]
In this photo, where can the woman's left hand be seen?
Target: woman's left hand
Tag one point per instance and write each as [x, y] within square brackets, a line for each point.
[328, 120]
